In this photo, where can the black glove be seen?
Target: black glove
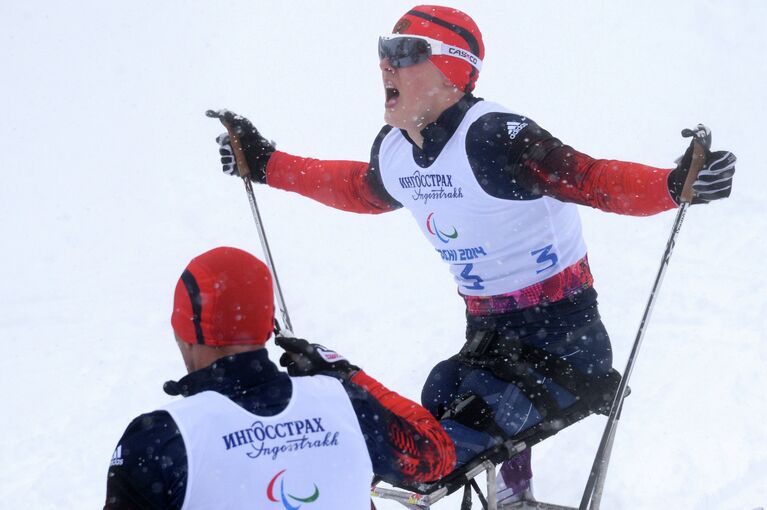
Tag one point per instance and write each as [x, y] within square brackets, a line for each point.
[302, 358]
[228, 162]
[714, 181]
[256, 148]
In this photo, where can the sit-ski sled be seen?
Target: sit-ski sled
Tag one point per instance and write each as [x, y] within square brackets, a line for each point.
[423, 495]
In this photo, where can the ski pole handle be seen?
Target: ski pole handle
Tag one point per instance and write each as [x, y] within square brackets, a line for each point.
[701, 143]
[234, 140]
[698, 160]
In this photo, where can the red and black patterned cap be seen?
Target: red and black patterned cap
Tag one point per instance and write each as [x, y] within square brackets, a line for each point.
[450, 26]
[224, 297]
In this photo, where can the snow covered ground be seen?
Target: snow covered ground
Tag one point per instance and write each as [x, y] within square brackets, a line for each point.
[111, 183]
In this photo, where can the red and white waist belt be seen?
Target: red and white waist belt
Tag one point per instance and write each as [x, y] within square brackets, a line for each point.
[567, 282]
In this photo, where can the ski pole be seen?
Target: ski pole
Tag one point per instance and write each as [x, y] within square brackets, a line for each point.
[595, 485]
[286, 329]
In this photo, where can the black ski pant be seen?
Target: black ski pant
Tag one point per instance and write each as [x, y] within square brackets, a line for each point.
[569, 329]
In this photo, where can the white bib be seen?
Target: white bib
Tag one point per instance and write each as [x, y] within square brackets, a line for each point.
[311, 456]
[493, 246]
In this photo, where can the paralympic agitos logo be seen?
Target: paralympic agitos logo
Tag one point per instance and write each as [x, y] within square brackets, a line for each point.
[431, 226]
[285, 498]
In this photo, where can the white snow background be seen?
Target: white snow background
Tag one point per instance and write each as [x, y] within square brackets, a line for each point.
[111, 183]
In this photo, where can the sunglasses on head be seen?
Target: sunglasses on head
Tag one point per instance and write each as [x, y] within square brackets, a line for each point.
[408, 50]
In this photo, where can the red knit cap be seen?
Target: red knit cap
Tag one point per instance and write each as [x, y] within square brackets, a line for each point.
[450, 26]
[224, 297]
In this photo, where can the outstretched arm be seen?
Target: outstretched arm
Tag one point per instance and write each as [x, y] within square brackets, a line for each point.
[621, 187]
[525, 160]
[521, 160]
[347, 185]
[406, 443]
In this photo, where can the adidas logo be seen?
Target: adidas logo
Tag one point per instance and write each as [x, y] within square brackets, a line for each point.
[514, 128]
[117, 456]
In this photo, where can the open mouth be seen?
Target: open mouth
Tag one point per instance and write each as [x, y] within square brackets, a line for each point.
[391, 96]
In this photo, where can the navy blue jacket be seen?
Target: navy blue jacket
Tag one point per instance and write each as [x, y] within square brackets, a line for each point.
[149, 467]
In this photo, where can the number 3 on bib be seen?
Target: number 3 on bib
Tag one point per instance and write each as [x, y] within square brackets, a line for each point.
[466, 275]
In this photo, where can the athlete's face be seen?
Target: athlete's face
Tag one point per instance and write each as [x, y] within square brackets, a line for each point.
[415, 95]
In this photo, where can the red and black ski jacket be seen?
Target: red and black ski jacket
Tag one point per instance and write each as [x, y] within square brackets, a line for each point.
[520, 168]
